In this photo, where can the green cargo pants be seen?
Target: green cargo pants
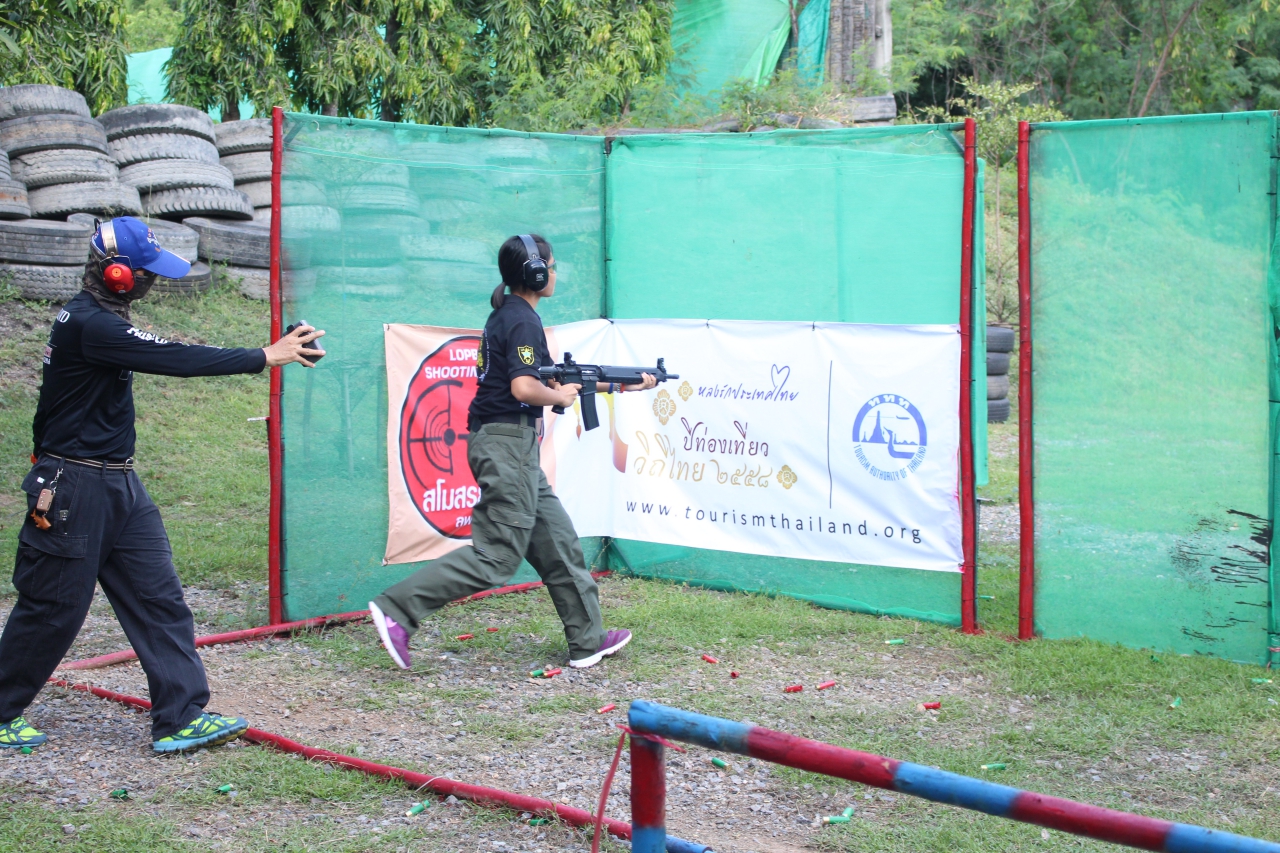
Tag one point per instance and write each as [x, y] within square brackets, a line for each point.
[517, 517]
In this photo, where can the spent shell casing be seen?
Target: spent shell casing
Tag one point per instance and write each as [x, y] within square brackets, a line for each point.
[607, 708]
[795, 688]
[26, 750]
[931, 706]
[224, 789]
[895, 642]
[552, 673]
[119, 794]
[987, 597]
[465, 637]
[733, 674]
[1260, 680]
[709, 659]
[835, 819]
[847, 812]
[492, 630]
[539, 821]
[1176, 703]
[996, 766]
[537, 673]
[826, 684]
[721, 763]
[416, 808]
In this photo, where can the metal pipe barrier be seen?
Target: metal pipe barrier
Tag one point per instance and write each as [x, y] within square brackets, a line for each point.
[648, 786]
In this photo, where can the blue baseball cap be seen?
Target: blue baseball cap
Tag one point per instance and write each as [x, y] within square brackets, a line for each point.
[134, 241]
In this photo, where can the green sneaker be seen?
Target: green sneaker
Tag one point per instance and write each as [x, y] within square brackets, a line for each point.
[19, 733]
[205, 730]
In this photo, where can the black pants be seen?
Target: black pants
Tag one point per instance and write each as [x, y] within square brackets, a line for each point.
[107, 530]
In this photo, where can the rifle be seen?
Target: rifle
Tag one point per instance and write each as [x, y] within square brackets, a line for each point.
[587, 375]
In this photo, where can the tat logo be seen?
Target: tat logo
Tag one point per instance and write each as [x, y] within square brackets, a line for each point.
[889, 437]
[433, 447]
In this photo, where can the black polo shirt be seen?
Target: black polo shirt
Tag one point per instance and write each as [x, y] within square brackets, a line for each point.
[86, 399]
[513, 344]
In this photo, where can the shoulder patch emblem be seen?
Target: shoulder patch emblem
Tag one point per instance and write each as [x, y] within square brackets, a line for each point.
[526, 354]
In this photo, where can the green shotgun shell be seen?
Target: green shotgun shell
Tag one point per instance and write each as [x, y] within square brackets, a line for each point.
[995, 766]
[1155, 659]
[1261, 680]
[537, 673]
[836, 819]
[1176, 703]
[895, 642]
[720, 762]
[847, 812]
[539, 821]
[119, 794]
[224, 789]
[987, 597]
[417, 808]
[26, 750]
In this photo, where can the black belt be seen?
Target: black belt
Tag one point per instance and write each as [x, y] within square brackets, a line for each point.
[126, 465]
[475, 423]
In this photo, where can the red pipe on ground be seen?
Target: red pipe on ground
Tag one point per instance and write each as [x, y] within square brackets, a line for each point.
[969, 579]
[287, 627]
[418, 781]
[1026, 498]
[275, 449]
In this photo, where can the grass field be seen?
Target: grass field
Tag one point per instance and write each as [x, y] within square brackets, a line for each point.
[1072, 718]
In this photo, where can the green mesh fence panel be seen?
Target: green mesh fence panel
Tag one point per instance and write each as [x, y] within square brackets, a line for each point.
[718, 41]
[1154, 368]
[852, 226]
[388, 223]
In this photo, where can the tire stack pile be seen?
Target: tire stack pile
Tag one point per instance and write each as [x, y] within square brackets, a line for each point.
[999, 349]
[245, 149]
[58, 153]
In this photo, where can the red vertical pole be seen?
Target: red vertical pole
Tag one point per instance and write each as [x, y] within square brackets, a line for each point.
[1026, 500]
[969, 579]
[275, 450]
[648, 797]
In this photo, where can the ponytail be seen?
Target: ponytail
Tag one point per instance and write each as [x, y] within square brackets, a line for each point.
[498, 296]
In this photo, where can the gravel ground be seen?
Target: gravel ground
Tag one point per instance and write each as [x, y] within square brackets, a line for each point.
[998, 523]
[471, 714]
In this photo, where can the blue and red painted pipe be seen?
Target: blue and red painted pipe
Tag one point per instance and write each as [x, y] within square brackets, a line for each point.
[1117, 827]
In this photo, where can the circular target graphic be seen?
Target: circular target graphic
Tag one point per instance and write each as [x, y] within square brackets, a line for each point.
[433, 429]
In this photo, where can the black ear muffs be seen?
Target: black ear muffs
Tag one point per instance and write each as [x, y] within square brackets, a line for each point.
[117, 274]
[536, 273]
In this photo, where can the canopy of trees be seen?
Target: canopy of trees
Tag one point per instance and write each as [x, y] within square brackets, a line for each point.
[79, 45]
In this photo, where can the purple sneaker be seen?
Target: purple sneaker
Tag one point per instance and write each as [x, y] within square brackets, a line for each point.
[394, 638]
[613, 643]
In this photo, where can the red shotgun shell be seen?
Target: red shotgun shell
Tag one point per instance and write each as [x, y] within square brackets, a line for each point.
[795, 688]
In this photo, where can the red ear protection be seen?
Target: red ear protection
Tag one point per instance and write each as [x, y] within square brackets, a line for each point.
[118, 277]
[117, 274]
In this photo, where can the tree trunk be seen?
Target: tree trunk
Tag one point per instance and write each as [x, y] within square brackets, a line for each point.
[390, 105]
[231, 110]
[1164, 56]
[329, 110]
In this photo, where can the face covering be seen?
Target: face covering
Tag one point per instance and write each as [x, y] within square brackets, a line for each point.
[116, 303]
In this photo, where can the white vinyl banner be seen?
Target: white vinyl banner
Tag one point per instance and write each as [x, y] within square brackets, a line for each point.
[825, 441]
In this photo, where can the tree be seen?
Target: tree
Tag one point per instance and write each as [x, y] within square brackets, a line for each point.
[336, 56]
[436, 68]
[151, 24]
[77, 44]
[227, 54]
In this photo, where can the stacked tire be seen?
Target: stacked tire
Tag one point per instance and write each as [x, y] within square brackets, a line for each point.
[60, 154]
[167, 152]
[999, 350]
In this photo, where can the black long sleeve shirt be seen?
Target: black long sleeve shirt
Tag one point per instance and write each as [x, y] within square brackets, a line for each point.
[86, 399]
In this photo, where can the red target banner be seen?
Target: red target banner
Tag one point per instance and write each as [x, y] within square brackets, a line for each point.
[431, 380]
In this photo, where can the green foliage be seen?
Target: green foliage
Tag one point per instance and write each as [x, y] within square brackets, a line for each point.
[151, 24]
[1096, 58]
[227, 53]
[78, 44]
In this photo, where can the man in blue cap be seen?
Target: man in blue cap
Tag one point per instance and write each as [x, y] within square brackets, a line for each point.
[89, 518]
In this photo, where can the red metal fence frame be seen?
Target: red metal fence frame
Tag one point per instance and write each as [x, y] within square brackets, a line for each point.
[968, 517]
[275, 448]
[1026, 499]
[967, 491]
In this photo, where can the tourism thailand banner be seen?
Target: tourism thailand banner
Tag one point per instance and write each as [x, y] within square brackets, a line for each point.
[827, 441]
[820, 441]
